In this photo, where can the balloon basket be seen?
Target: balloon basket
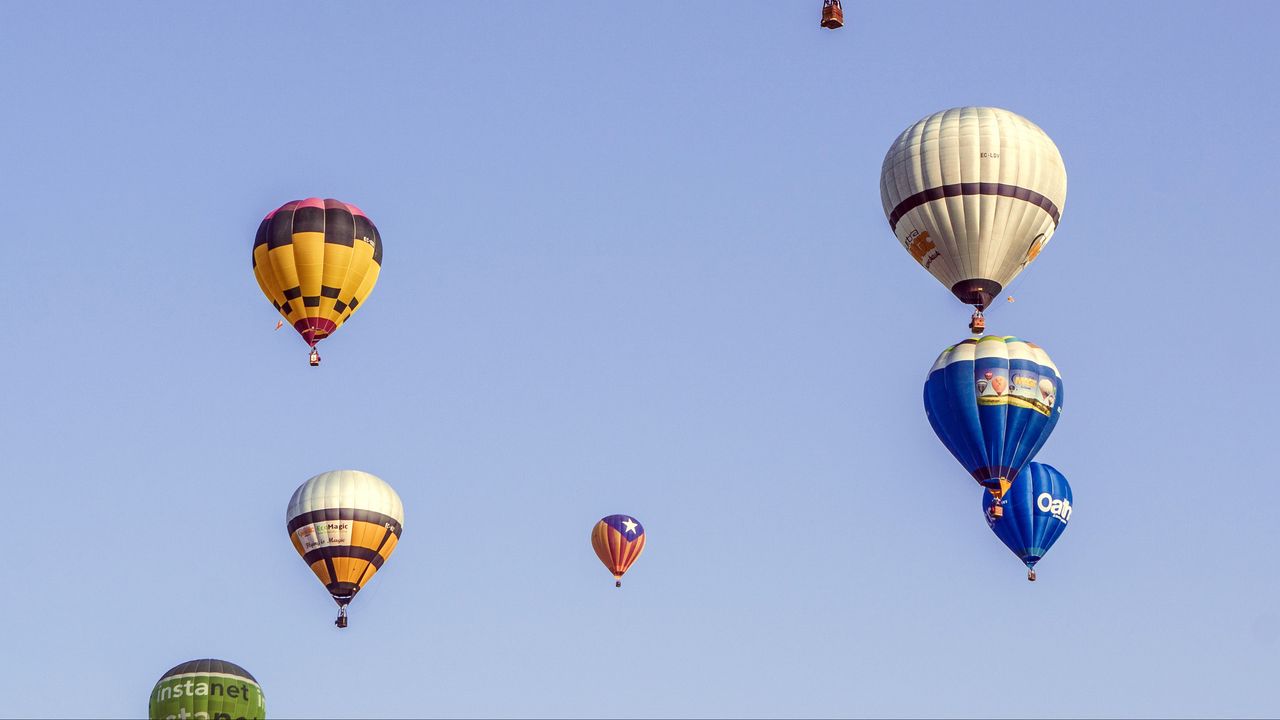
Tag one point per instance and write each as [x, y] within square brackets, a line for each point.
[341, 622]
[617, 583]
[1031, 574]
[977, 323]
[832, 14]
[997, 510]
[314, 359]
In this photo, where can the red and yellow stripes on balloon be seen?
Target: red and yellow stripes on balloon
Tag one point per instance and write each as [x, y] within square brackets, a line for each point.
[618, 540]
[317, 261]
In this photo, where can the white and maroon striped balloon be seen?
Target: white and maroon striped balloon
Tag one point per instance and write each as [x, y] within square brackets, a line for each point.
[973, 193]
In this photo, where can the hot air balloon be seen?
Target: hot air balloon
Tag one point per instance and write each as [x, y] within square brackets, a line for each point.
[618, 540]
[1036, 510]
[986, 400]
[317, 261]
[207, 689]
[974, 194]
[345, 524]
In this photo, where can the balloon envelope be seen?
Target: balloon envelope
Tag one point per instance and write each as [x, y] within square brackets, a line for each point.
[345, 524]
[993, 401]
[1037, 508]
[207, 689]
[317, 261]
[974, 194]
[618, 540]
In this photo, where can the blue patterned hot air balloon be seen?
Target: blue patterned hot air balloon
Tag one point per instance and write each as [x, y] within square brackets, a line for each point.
[1037, 508]
[993, 401]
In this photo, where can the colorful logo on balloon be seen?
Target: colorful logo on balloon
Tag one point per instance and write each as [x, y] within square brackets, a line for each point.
[1047, 391]
[992, 383]
[1034, 250]
[920, 247]
[999, 384]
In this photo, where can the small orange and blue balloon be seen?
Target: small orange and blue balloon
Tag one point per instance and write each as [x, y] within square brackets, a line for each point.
[618, 540]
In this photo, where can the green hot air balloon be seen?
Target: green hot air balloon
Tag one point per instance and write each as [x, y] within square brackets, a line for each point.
[207, 690]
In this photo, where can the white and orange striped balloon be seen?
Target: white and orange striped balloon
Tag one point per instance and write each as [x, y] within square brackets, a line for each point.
[345, 524]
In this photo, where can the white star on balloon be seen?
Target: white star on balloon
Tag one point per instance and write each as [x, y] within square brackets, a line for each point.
[630, 525]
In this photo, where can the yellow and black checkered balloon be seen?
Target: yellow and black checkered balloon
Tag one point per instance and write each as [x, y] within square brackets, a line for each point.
[317, 261]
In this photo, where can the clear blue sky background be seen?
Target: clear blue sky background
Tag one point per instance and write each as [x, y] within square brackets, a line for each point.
[635, 263]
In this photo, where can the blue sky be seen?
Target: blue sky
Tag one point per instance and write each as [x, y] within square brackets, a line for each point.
[635, 263]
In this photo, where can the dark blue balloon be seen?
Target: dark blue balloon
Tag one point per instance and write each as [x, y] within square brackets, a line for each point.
[1037, 508]
[993, 402]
